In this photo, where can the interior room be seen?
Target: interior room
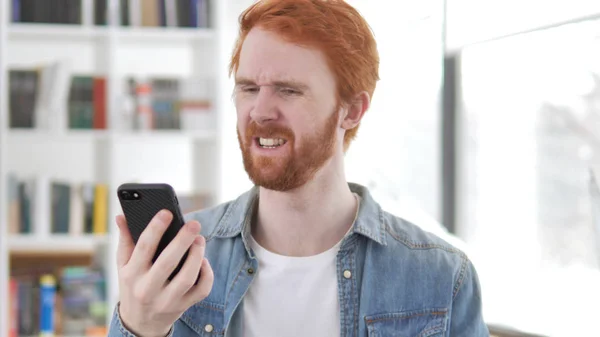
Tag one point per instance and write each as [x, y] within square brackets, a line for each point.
[484, 130]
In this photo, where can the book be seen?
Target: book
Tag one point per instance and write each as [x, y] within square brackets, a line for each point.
[16, 10]
[169, 9]
[58, 97]
[61, 208]
[100, 12]
[13, 308]
[41, 207]
[76, 209]
[23, 87]
[87, 191]
[25, 202]
[201, 13]
[135, 15]
[144, 117]
[150, 13]
[81, 102]
[124, 7]
[99, 103]
[14, 212]
[46, 76]
[100, 219]
[27, 296]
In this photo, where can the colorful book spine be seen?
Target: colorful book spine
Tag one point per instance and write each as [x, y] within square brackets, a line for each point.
[13, 308]
[100, 220]
[16, 10]
[47, 302]
[143, 91]
[99, 102]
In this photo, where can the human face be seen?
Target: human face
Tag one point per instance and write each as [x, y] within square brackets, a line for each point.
[288, 114]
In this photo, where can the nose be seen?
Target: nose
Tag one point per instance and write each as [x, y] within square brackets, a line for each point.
[265, 108]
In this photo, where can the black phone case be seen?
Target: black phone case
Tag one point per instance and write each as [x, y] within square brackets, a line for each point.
[139, 213]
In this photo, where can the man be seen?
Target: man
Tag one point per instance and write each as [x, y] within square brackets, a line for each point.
[304, 253]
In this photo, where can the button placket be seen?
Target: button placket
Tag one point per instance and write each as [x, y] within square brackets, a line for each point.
[348, 293]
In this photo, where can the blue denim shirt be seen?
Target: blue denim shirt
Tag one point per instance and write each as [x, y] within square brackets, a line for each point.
[394, 279]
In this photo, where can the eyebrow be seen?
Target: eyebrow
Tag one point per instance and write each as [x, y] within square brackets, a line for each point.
[287, 84]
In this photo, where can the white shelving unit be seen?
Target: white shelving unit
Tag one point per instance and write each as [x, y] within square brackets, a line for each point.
[191, 161]
[4, 250]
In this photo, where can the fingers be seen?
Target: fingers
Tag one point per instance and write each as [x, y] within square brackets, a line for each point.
[188, 274]
[202, 289]
[148, 242]
[169, 258]
[126, 245]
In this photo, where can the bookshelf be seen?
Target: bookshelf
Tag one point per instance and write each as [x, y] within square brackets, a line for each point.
[4, 252]
[52, 146]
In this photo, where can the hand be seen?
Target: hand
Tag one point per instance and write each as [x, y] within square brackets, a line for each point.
[149, 303]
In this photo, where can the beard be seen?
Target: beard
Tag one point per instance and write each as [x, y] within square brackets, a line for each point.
[294, 168]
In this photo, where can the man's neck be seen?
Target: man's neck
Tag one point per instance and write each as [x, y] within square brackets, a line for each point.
[308, 220]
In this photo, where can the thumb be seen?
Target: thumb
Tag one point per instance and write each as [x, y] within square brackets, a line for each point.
[126, 245]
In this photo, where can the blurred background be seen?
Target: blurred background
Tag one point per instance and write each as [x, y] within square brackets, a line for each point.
[484, 129]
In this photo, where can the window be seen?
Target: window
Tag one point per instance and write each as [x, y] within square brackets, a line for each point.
[530, 131]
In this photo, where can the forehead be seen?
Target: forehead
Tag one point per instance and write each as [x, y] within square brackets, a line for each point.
[265, 57]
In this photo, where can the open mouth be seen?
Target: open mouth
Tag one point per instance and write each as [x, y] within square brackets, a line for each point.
[270, 143]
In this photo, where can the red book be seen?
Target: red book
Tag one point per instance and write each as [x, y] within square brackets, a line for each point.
[99, 103]
[13, 308]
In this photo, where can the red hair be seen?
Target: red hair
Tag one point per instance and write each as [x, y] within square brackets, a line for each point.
[332, 26]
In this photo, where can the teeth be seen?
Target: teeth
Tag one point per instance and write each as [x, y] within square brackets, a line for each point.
[271, 142]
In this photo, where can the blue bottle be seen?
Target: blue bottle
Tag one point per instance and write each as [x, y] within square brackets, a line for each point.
[47, 303]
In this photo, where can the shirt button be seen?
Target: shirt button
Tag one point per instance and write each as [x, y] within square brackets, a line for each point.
[208, 328]
[250, 271]
[347, 273]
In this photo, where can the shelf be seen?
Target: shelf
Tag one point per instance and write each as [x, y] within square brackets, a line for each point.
[55, 31]
[55, 244]
[164, 34]
[200, 135]
[82, 135]
[125, 34]
[52, 135]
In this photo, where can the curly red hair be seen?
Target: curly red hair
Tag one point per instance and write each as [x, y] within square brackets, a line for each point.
[332, 26]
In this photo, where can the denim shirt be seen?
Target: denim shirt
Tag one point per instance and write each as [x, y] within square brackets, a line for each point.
[394, 279]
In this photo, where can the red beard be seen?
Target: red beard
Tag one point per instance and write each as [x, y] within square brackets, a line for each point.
[295, 168]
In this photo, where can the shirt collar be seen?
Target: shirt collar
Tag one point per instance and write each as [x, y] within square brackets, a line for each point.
[238, 216]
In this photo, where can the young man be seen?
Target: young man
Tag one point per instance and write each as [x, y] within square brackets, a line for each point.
[304, 253]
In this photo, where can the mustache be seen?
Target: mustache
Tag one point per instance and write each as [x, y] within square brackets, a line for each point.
[255, 130]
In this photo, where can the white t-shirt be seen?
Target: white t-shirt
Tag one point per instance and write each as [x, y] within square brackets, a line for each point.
[292, 296]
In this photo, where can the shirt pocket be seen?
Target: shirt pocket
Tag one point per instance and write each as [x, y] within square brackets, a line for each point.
[414, 323]
[204, 319]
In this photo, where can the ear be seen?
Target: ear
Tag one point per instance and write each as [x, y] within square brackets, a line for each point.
[356, 110]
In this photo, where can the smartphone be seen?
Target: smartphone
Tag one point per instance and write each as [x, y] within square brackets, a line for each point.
[141, 202]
